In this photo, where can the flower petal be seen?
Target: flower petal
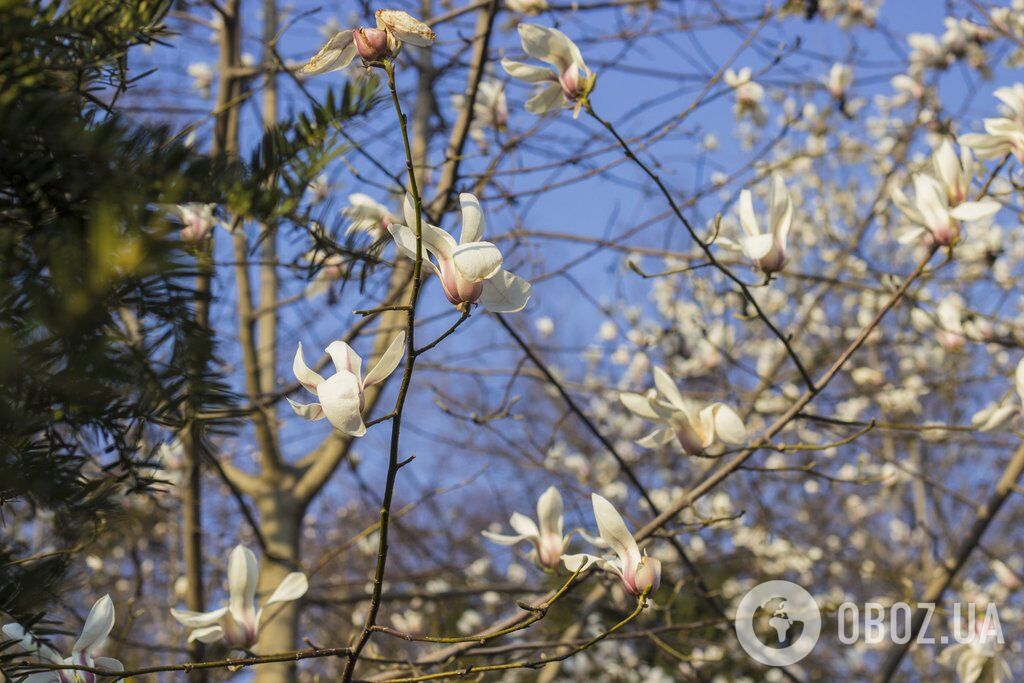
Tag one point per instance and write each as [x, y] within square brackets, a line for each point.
[973, 211]
[527, 72]
[780, 210]
[97, 626]
[388, 362]
[346, 360]
[584, 560]
[405, 27]
[108, 663]
[549, 512]
[550, 45]
[728, 425]
[477, 261]
[307, 378]
[502, 539]
[547, 99]
[309, 411]
[29, 643]
[615, 532]
[336, 54]
[747, 217]
[639, 404]
[472, 219]
[505, 293]
[243, 575]
[292, 587]
[667, 386]
[198, 619]
[756, 247]
[523, 525]
[659, 437]
[207, 634]
[341, 401]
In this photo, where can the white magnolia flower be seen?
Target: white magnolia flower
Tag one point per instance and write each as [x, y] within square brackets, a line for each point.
[367, 215]
[527, 6]
[394, 28]
[840, 77]
[570, 83]
[748, 95]
[238, 624]
[696, 429]
[342, 397]
[766, 249]
[547, 539]
[319, 188]
[637, 571]
[83, 653]
[1003, 135]
[197, 220]
[955, 174]
[995, 415]
[202, 78]
[469, 270]
[978, 660]
[930, 215]
[490, 110]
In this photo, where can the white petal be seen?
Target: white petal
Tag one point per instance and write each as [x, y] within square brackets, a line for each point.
[527, 72]
[996, 418]
[547, 99]
[505, 293]
[659, 437]
[667, 386]
[780, 210]
[615, 532]
[728, 425]
[477, 261]
[747, 217]
[410, 213]
[502, 539]
[639, 404]
[198, 619]
[243, 575]
[405, 240]
[108, 663]
[523, 525]
[292, 587]
[97, 626]
[309, 411]
[29, 643]
[472, 219]
[1020, 379]
[549, 512]
[341, 402]
[757, 247]
[208, 634]
[336, 54]
[388, 362]
[346, 360]
[405, 28]
[307, 378]
[973, 211]
[549, 45]
[573, 562]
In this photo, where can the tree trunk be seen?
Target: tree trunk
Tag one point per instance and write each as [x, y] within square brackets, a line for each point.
[281, 526]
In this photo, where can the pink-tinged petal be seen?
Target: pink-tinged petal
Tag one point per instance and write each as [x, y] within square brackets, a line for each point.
[973, 211]
[388, 362]
[346, 360]
[243, 575]
[307, 378]
[615, 532]
[647, 577]
[207, 634]
[472, 219]
[477, 261]
[336, 54]
[97, 626]
[546, 100]
[549, 512]
[198, 619]
[504, 293]
[309, 411]
[292, 587]
[527, 72]
[341, 400]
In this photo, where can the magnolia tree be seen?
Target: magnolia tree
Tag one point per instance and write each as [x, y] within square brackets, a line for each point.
[727, 291]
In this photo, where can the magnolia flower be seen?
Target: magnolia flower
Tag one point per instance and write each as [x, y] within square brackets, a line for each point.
[571, 82]
[638, 572]
[930, 215]
[342, 397]
[367, 215]
[840, 76]
[547, 539]
[83, 653]
[469, 270]
[978, 660]
[374, 45]
[748, 95]
[766, 249]
[696, 429]
[202, 78]
[238, 624]
[954, 173]
[489, 110]
[994, 416]
[527, 6]
[197, 219]
[1003, 135]
[319, 188]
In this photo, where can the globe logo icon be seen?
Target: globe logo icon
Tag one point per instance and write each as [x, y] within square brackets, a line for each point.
[778, 623]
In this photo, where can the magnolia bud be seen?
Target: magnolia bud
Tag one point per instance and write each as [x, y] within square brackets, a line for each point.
[648, 575]
[372, 44]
